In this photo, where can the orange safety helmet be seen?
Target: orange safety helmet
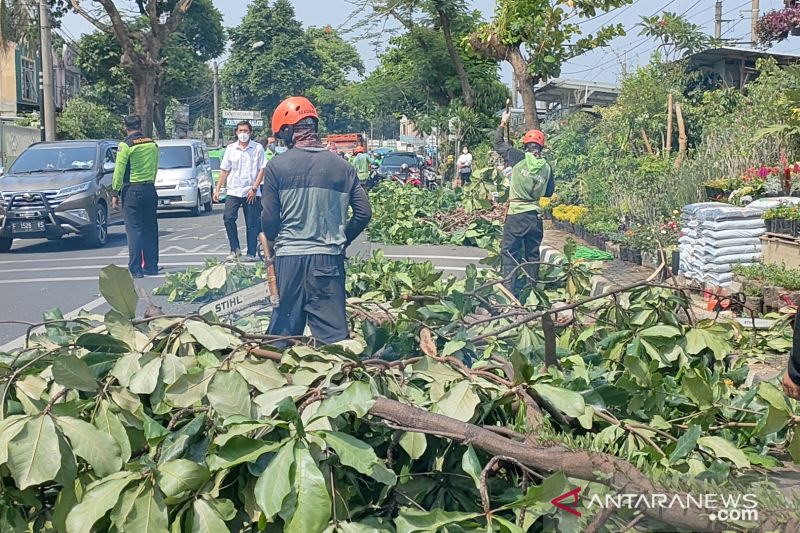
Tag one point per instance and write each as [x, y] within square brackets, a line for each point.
[359, 150]
[534, 136]
[291, 111]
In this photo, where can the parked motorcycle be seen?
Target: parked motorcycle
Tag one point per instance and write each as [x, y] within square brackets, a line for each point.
[407, 176]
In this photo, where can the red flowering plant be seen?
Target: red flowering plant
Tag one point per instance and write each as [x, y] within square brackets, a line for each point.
[776, 26]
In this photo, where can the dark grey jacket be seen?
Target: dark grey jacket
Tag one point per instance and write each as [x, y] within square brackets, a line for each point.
[306, 196]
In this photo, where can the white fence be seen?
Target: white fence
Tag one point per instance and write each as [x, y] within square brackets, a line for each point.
[14, 140]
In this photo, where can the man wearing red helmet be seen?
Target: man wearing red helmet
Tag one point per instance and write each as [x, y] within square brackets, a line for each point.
[531, 179]
[307, 193]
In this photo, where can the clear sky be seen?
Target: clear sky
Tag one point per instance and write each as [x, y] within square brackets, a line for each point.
[603, 65]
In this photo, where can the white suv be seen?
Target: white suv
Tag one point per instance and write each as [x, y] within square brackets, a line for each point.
[184, 176]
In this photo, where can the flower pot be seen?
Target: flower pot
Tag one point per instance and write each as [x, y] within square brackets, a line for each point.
[712, 193]
[753, 304]
[676, 261]
[636, 257]
[795, 31]
[770, 224]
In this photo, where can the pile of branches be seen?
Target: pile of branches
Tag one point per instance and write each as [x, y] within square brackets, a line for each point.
[459, 219]
[184, 423]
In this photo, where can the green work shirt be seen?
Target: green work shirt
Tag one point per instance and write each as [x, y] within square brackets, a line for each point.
[137, 161]
[361, 163]
[529, 180]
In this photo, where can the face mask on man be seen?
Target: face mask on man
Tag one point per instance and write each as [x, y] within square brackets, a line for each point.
[244, 137]
[271, 147]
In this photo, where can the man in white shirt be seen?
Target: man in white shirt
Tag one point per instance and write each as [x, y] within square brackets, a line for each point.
[243, 168]
[464, 165]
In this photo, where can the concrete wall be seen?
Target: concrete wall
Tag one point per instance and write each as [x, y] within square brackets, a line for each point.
[14, 140]
[8, 81]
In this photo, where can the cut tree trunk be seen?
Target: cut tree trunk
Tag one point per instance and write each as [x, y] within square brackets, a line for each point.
[575, 463]
[682, 139]
[160, 118]
[668, 147]
[526, 84]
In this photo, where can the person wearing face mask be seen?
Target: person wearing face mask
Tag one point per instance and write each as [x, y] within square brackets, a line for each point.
[242, 168]
[464, 164]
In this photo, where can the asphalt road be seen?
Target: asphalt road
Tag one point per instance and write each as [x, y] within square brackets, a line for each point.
[38, 275]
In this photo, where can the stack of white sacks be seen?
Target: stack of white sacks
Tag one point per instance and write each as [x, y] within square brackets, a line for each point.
[716, 236]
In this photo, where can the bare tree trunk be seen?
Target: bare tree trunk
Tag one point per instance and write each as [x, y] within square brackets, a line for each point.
[160, 118]
[144, 93]
[466, 88]
[668, 147]
[682, 139]
[526, 86]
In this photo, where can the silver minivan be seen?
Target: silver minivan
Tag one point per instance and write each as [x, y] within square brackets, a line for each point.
[184, 176]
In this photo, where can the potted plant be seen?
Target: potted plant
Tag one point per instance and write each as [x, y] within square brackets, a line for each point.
[753, 297]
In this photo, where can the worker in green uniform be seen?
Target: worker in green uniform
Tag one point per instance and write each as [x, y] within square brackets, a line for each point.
[134, 184]
[362, 163]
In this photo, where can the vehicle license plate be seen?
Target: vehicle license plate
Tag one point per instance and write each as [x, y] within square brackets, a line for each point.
[28, 226]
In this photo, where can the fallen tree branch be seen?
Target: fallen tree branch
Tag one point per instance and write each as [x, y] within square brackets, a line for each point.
[580, 464]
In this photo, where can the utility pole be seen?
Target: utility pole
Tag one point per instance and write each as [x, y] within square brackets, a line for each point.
[718, 20]
[48, 108]
[754, 13]
[216, 104]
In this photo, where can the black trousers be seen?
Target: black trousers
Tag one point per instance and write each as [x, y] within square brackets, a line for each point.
[252, 220]
[311, 289]
[522, 237]
[139, 203]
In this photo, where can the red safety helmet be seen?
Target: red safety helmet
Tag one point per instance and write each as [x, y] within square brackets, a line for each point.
[359, 150]
[291, 111]
[534, 136]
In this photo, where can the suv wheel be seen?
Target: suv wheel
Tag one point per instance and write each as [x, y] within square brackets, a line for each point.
[98, 235]
[196, 209]
[5, 244]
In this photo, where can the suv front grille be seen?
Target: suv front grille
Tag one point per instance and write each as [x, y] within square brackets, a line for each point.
[31, 201]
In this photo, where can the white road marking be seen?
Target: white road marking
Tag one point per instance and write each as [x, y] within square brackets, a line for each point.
[43, 280]
[20, 341]
[453, 257]
[98, 267]
[102, 257]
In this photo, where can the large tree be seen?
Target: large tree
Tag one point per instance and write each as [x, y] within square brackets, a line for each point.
[538, 36]
[271, 58]
[142, 45]
[184, 72]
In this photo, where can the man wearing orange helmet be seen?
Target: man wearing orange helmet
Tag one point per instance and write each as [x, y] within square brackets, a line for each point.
[531, 179]
[307, 193]
[361, 162]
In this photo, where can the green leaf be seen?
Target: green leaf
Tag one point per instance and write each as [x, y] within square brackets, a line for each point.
[95, 342]
[108, 422]
[72, 373]
[116, 286]
[153, 431]
[149, 513]
[9, 428]
[212, 338]
[773, 396]
[411, 520]
[471, 465]
[100, 497]
[660, 331]
[207, 519]
[775, 421]
[97, 448]
[124, 507]
[212, 278]
[145, 380]
[356, 454]
[172, 368]
[685, 444]
[452, 347]
[695, 387]
[794, 447]
[239, 450]
[275, 483]
[568, 402]
[357, 398]
[313, 508]
[459, 402]
[34, 455]
[263, 376]
[190, 389]
[414, 444]
[724, 449]
[178, 477]
[229, 395]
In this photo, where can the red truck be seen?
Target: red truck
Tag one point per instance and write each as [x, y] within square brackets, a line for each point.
[346, 142]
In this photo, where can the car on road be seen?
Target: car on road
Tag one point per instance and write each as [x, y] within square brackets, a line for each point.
[391, 163]
[215, 157]
[60, 188]
[184, 177]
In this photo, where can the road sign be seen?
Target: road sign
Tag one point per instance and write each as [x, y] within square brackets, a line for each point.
[236, 301]
[240, 114]
[255, 122]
